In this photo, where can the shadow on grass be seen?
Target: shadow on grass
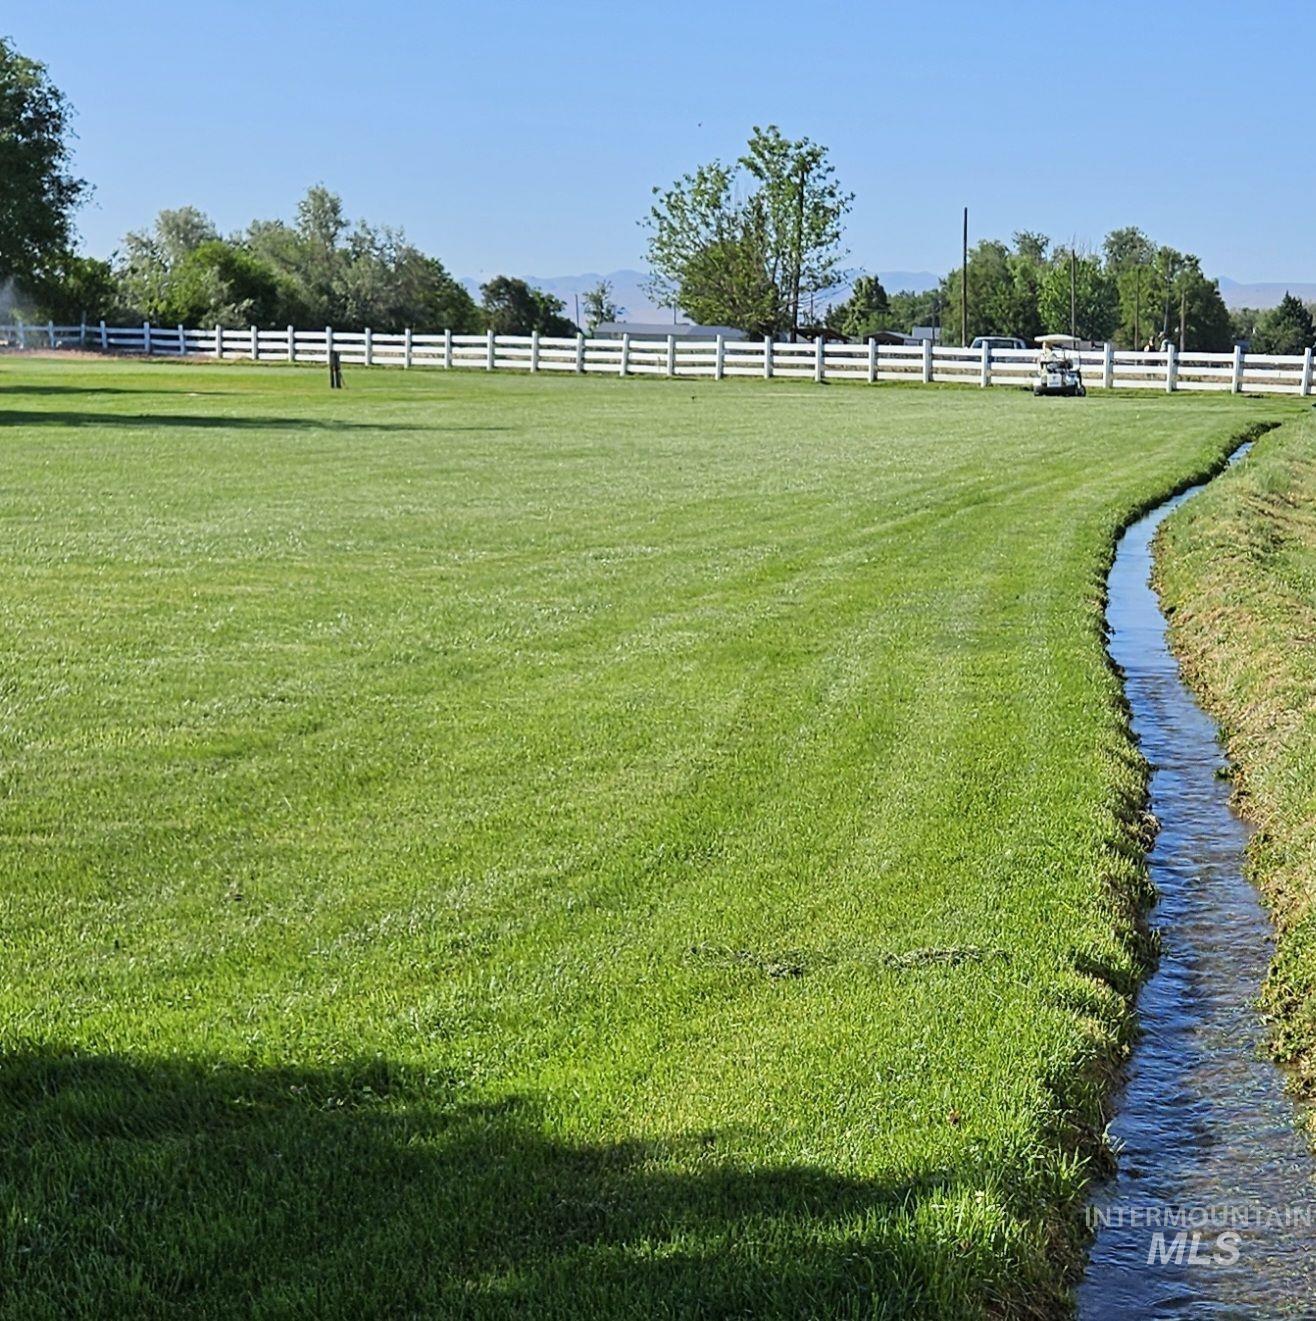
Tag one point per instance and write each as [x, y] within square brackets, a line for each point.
[57, 390]
[147, 1187]
[213, 422]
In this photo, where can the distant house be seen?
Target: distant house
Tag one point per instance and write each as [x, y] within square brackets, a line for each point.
[661, 329]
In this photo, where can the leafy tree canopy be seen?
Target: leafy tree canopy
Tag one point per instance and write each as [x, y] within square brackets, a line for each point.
[512, 307]
[750, 244]
[1286, 329]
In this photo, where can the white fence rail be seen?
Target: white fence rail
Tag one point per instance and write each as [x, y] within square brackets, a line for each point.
[1109, 367]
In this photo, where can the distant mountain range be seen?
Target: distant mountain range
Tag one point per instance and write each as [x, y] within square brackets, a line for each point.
[1262, 295]
[629, 293]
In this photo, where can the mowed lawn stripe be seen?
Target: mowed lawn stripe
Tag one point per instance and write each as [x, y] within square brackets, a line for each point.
[484, 845]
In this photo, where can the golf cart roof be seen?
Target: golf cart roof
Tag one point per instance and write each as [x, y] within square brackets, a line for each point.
[1054, 341]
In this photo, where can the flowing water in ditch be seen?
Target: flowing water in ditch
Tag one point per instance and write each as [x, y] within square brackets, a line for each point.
[1208, 1140]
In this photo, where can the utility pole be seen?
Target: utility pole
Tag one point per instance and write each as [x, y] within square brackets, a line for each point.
[964, 284]
[1183, 319]
[799, 253]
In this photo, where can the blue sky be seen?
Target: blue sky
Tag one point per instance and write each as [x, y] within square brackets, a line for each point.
[526, 137]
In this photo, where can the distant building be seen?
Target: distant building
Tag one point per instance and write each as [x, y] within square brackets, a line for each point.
[921, 333]
[661, 329]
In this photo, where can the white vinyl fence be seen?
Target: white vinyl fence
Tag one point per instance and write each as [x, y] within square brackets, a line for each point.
[1108, 367]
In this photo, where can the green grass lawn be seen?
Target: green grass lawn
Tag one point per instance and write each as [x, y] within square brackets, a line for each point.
[1239, 567]
[491, 845]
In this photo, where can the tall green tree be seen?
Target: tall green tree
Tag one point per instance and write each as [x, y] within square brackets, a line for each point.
[1095, 300]
[866, 311]
[1003, 287]
[599, 305]
[72, 288]
[221, 284]
[148, 257]
[753, 244]
[513, 307]
[38, 193]
[1285, 329]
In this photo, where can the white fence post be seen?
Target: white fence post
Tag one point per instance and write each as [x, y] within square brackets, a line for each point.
[447, 348]
[146, 338]
[580, 351]
[255, 344]
[105, 337]
[819, 358]
[292, 344]
[490, 349]
[50, 330]
[671, 355]
[625, 353]
[182, 342]
[872, 360]
[719, 358]
[534, 350]
[1306, 372]
[1236, 384]
[927, 362]
[406, 347]
[1171, 369]
[369, 351]
[1108, 366]
[986, 366]
[328, 343]
[767, 357]
[82, 332]
[219, 341]
[22, 335]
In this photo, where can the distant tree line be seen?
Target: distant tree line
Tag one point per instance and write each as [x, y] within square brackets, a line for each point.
[319, 269]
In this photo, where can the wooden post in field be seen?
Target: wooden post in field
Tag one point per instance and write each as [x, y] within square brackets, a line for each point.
[1236, 384]
[872, 360]
[767, 357]
[105, 337]
[1306, 373]
[406, 347]
[255, 344]
[671, 355]
[719, 358]
[1171, 369]
[534, 350]
[927, 362]
[580, 351]
[625, 353]
[490, 349]
[1108, 366]
[447, 348]
[146, 338]
[986, 376]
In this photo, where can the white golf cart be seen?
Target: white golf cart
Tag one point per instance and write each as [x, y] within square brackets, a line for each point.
[1058, 372]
